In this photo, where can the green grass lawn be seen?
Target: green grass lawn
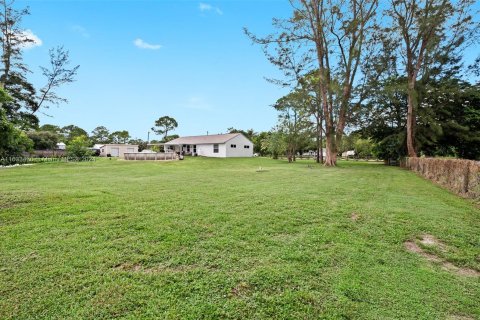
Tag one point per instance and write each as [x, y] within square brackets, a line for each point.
[215, 239]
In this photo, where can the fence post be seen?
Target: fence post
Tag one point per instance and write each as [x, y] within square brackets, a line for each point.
[466, 179]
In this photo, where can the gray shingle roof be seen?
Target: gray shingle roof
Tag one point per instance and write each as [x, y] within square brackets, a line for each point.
[213, 138]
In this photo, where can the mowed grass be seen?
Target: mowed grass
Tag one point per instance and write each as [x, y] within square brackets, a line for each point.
[215, 239]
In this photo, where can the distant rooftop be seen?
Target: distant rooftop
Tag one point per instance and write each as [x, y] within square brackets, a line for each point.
[213, 138]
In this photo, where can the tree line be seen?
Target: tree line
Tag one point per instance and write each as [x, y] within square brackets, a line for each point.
[390, 72]
[21, 101]
[47, 136]
[388, 78]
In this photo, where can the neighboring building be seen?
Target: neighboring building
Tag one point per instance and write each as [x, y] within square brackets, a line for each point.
[97, 146]
[61, 146]
[349, 153]
[313, 153]
[117, 150]
[215, 145]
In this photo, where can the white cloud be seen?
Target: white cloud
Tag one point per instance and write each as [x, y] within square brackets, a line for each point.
[34, 40]
[81, 31]
[204, 7]
[198, 103]
[139, 43]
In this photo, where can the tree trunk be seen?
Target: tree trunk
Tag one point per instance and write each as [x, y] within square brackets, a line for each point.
[331, 160]
[321, 140]
[319, 130]
[342, 116]
[412, 102]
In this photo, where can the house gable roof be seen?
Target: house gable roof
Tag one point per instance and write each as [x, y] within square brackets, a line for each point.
[214, 138]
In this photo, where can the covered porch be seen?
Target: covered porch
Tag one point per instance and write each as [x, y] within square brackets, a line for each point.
[184, 149]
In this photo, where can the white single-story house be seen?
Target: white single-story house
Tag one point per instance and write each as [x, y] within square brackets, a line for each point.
[117, 150]
[215, 145]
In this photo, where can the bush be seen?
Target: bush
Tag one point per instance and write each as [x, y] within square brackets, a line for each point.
[43, 140]
[78, 148]
[13, 142]
[364, 148]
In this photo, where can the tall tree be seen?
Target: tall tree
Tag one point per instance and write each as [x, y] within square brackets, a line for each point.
[164, 125]
[427, 34]
[142, 145]
[13, 71]
[120, 136]
[447, 120]
[293, 121]
[50, 127]
[259, 142]
[43, 140]
[313, 104]
[26, 101]
[339, 31]
[13, 142]
[70, 132]
[294, 62]
[169, 138]
[56, 75]
[100, 135]
[275, 143]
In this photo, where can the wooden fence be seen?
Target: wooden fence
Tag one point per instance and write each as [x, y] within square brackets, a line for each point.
[48, 153]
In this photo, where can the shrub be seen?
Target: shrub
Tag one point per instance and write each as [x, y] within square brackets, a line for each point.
[43, 140]
[13, 142]
[78, 148]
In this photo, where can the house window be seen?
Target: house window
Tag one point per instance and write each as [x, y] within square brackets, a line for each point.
[194, 148]
[188, 148]
[215, 148]
[233, 146]
[246, 147]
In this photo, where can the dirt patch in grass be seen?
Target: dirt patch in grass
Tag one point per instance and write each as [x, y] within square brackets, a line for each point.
[240, 289]
[457, 317]
[354, 216]
[10, 200]
[138, 268]
[429, 240]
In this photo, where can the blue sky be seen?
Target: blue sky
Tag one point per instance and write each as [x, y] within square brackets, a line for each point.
[140, 60]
